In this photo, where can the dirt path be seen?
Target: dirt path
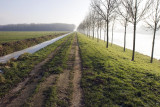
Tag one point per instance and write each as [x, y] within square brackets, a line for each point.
[26, 87]
[63, 82]
[64, 78]
[77, 91]
[62, 86]
[38, 98]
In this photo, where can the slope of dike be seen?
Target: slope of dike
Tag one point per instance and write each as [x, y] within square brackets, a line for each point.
[110, 78]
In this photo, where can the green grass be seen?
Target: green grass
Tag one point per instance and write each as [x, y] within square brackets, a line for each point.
[15, 36]
[54, 66]
[51, 98]
[57, 66]
[16, 71]
[111, 79]
[13, 46]
[58, 63]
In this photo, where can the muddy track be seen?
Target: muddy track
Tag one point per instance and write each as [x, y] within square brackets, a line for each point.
[77, 91]
[39, 98]
[64, 78]
[73, 97]
[26, 88]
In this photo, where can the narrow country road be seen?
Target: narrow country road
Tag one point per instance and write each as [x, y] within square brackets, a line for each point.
[77, 91]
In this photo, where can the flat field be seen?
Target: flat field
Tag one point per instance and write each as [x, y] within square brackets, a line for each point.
[15, 36]
[15, 41]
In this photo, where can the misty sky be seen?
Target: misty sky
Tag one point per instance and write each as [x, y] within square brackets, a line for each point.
[43, 11]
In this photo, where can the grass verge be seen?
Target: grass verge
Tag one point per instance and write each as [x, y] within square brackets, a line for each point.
[111, 79]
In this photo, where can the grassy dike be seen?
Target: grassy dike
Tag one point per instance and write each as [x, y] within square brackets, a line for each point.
[16, 70]
[111, 79]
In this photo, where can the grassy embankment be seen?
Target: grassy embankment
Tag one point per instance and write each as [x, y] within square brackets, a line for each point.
[110, 78]
[16, 71]
[15, 41]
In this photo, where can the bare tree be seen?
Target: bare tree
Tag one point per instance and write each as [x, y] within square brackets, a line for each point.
[122, 11]
[105, 8]
[153, 22]
[93, 21]
[100, 21]
[113, 23]
[88, 24]
[98, 26]
[137, 10]
[104, 25]
[81, 28]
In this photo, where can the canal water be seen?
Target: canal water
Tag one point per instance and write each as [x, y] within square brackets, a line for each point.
[31, 50]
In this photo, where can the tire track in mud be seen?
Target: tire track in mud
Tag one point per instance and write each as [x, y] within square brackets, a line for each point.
[64, 81]
[61, 81]
[26, 88]
[77, 91]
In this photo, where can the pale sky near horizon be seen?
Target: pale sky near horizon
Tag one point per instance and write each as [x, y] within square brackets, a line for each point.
[43, 11]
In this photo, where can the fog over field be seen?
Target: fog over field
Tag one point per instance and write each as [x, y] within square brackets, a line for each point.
[38, 27]
[43, 11]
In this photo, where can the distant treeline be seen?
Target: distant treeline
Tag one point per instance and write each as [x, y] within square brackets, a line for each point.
[38, 27]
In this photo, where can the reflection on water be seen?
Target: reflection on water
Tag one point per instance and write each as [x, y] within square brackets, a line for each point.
[31, 50]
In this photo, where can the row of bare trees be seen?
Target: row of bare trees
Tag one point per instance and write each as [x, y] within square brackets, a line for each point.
[104, 12]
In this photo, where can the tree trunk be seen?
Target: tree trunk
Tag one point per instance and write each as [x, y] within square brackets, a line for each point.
[104, 35]
[112, 34]
[125, 37]
[89, 32]
[100, 29]
[97, 35]
[100, 33]
[93, 34]
[107, 34]
[134, 34]
[134, 41]
[153, 43]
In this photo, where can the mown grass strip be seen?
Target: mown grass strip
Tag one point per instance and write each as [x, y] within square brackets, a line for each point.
[111, 79]
[16, 70]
